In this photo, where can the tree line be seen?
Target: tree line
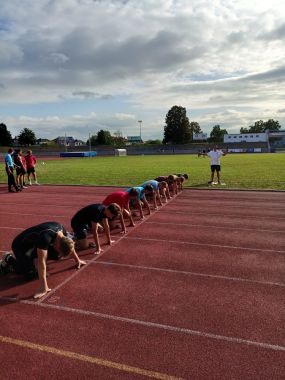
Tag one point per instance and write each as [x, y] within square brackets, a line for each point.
[177, 130]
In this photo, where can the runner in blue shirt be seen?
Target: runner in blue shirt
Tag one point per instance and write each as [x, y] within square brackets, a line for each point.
[141, 199]
[156, 191]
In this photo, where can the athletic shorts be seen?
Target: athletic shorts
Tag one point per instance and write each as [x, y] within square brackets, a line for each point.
[20, 171]
[216, 168]
[80, 232]
[30, 170]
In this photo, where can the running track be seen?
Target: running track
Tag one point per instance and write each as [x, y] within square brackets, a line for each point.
[195, 291]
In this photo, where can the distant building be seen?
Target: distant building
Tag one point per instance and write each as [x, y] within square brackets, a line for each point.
[42, 141]
[65, 140]
[134, 140]
[68, 141]
[277, 139]
[79, 142]
[245, 138]
[200, 136]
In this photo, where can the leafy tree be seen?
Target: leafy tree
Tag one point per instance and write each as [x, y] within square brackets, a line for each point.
[217, 134]
[262, 126]
[119, 141]
[272, 125]
[27, 137]
[258, 127]
[104, 138]
[195, 127]
[93, 140]
[177, 129]
[5, 136]
[153, 142]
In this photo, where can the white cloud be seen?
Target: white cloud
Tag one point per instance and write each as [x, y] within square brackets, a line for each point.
[218, 55]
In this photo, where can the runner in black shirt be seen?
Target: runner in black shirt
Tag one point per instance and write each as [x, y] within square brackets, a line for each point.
[45, 241]
[92, 216]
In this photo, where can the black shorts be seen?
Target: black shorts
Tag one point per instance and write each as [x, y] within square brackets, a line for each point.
[20, 171]
[80, 232]
[216, 168]
[25, 255]
[30, 170]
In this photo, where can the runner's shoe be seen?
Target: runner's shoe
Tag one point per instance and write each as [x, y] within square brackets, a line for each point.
[3, 267]
[8, 262]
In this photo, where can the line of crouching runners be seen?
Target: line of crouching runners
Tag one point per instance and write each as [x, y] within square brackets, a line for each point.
[33, 247]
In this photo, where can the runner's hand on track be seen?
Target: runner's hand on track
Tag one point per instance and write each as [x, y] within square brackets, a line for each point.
[81, 262]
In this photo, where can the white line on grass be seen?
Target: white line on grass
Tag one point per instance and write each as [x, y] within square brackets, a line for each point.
[205, 244]
[182, 330]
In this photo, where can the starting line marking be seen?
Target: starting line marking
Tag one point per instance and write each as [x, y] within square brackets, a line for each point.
[87, 358]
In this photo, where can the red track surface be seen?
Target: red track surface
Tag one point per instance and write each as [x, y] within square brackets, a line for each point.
[196, 291]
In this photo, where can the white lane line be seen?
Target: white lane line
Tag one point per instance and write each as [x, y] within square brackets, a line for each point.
[12, 228]
[244, 207]
[198, 274]
[211, 226]
[226, 215]
[152, 324]
[205, 244]
[46, 205]
[33, 214]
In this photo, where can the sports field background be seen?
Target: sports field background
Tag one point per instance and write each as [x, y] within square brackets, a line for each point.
[240, 171]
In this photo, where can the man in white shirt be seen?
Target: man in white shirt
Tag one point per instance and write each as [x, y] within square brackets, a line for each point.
[215, 154]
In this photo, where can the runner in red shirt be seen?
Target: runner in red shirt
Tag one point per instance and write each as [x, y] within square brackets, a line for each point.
[122, 198]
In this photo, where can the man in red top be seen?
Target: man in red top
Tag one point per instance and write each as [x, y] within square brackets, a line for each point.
[31, 167]
[122, 198]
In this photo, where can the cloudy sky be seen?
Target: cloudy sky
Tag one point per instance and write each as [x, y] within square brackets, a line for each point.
[77, 66]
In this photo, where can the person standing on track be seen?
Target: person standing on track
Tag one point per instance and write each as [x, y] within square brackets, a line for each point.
[20, 169]
[91, 216]
[33, 247]
[31, 167]
[9, 167]
[215, 154]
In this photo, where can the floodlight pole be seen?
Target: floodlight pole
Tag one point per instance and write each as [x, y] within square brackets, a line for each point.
[140, 123]
[89, 142]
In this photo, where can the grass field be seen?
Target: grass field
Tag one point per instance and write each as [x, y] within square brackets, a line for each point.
[242, 171]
